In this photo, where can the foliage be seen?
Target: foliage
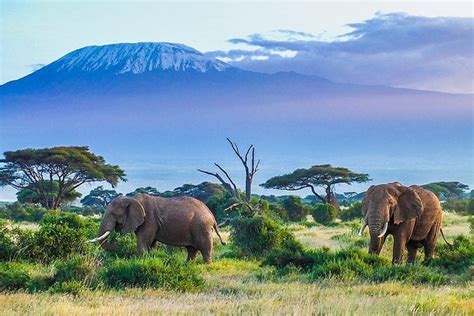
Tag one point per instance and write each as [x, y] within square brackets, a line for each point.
[295, 209]
[457, 258]
[319, 175]
[16, 276]
[352, 212]
[154, 272]
[324, 213]
[218, 203]
[447, 190]
[59, 235]
[258, 235]
[74, 268]
[70, 167]
[465, 206]
[145, 190]
[99, 198]
[22, 212]
[202, 191]
[31, 194]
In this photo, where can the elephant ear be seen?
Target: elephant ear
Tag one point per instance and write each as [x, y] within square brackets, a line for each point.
[365, 202]
[135, 215]
[409, 206]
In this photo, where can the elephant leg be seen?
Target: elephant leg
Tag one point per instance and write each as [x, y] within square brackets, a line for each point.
[206, 248]
[144, 241]
[192, 252]
[412, 250]
[430, 243]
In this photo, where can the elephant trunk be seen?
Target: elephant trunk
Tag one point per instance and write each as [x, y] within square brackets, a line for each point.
[377, 228]
[106, 227]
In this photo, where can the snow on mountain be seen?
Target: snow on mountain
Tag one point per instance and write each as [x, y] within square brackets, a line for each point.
[138, 58]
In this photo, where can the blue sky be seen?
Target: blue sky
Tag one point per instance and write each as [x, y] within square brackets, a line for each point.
[416, 44]
[34, 33]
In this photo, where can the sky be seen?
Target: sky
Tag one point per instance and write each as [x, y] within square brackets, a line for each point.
[413, 44]
[316, 38]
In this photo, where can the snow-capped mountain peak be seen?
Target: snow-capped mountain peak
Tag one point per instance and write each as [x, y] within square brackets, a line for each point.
[138, 58]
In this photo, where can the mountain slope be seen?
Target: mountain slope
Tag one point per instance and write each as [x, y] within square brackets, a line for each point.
[153, 100]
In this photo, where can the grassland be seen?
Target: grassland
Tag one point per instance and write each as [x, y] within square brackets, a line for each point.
[236, 286]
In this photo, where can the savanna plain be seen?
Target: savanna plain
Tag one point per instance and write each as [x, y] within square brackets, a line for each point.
[233, 285]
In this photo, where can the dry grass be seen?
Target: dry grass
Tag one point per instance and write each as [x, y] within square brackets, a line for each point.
[244, 287]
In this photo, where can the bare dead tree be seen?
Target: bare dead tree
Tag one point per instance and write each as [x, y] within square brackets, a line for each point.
[250, 166]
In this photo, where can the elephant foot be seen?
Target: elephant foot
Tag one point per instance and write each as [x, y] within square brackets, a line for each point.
[426, 262]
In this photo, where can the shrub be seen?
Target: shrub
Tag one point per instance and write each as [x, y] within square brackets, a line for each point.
[22, 212]
[352, 264]
[13, 276]
[457, 258]
[352, 212]
[258, 235]
[123, 245]
[75, 268]
[16, 276]
[6, 243]
[169, 273]
[70, 287]
[295, 208]
[324, 213]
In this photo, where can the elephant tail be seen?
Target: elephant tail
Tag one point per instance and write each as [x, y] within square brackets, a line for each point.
[217, 232]
[447, 243]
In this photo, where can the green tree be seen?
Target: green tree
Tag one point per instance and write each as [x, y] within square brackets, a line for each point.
[202, 191]
[32, 195]
[294, 208]
[99, 198]
[145, 190]
[447, 190]
[70, 166]
[325, 176]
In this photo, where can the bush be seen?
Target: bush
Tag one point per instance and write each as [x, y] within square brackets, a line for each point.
[324, 213]
[75, 268]
[461, 206]
[16, 276]
[352, 212]
[457, 258]
[295, 208]
[70, 287]
[7, 246]
[22, 212]
[153, 272]
[259, 235]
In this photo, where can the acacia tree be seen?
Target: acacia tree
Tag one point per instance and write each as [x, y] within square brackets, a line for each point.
[70, 167]
[325, 176]
[99, 197]
[447, 190]
[250, 167]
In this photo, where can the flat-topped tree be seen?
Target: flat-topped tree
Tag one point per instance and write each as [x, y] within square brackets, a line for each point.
[325, 176]
[69, 167]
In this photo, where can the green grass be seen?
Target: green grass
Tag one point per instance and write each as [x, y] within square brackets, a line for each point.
[342, 282]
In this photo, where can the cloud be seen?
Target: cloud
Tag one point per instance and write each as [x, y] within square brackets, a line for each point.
[396, 49]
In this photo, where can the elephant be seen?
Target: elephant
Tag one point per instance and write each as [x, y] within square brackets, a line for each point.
[412, 215]
[179, 221]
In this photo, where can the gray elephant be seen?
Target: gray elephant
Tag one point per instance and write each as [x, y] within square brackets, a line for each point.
[179, 221]
[411, 214]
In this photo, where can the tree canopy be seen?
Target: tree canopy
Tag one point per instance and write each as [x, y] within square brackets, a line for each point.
[99, 198]
[447, 190]
[69, 166]
[325, 176]
[145, 190]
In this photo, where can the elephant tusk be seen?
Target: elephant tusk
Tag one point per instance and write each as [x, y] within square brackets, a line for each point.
[384, 230]
[361, 231]
[107, 233]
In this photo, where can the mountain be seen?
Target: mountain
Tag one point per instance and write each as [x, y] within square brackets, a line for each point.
[151, 101]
